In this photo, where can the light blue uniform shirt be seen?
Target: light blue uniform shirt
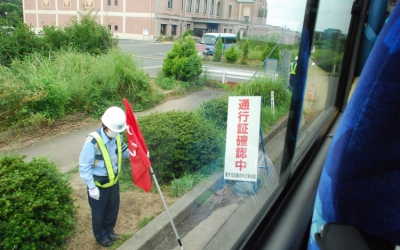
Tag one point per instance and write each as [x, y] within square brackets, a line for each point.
[87, 159]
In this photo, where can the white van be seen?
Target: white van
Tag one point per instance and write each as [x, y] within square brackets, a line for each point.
[210, 39]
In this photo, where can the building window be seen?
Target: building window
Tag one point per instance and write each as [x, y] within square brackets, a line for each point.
[218, 7]
[109, 2]
[163, 29]
[116, 2]
[205, 7]
[225, 30]
[212, 8]
[46, 3]
[188, 26]
[109, 27]
[170, 4]
[246, 18]
[173, 30]
[182, 5]
[230, 11]
[189, 5]
[116, 27]
[197, 6]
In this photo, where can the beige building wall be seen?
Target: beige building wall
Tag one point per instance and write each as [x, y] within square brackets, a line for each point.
[145, 19]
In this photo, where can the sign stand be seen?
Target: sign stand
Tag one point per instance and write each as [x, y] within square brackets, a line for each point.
[265, 167]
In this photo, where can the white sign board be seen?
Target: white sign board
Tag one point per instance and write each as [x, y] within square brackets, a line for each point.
[145, 32]
[242, 138]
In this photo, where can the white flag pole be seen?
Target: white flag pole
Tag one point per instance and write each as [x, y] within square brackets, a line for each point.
[166, 208]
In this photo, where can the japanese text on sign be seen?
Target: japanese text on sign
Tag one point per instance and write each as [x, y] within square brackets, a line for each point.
[242, 138]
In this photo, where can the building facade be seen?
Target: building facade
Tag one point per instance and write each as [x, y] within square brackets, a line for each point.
[150, 19]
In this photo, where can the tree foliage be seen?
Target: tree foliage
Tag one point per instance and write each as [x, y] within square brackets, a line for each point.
[37, 210]
[267, 51]
[245, 49]
[84, 36]
[182, 62]
[231, 55]
[218, 50]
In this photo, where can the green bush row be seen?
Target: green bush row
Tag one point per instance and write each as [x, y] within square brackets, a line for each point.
[44, 89]
[85, 36]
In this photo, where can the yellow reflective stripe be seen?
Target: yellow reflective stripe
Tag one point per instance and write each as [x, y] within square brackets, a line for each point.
[119, 155]
[107, 159]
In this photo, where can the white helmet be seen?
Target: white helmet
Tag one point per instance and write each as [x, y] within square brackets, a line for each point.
[114, 118]
[296, 58]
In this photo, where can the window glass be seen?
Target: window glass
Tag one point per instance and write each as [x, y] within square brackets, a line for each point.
[170, 4]
[197, 6]
[189, 5]
[212, 8]
[290, 117]
[205, 7]
[207, 39]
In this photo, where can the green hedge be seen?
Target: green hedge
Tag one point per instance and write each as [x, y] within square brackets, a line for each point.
[37, 210]
[180, 142]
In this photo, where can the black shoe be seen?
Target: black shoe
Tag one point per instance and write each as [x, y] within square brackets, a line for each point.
[106, 243]
[114, 237]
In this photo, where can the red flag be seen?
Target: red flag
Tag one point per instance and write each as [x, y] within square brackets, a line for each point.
[140, 162]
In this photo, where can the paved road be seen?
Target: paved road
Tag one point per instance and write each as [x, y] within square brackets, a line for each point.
[150, 57]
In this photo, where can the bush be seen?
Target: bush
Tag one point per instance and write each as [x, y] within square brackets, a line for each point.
[49, 87]
[245, 56]
[182, 62]
[263, 87]
[37, 210]
[231, 55]
[216, 111]
[179, 142]
[218, 50]
[267, 51]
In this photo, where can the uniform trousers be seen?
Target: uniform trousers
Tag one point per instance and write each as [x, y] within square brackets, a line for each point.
[105, 212]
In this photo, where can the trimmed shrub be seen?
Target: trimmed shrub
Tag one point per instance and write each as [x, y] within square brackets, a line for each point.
[231, 55]
[37, 211]
[179, 142]
[218, 50]
[182, 62]
[245, 49]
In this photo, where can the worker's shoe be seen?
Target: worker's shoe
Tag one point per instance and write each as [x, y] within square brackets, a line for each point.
[114, 237]
[106, 243]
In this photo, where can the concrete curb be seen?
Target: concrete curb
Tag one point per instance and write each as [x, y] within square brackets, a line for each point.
[151, 235]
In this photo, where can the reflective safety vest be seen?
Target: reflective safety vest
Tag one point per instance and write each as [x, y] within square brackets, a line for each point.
[293, 66]
[107, 160]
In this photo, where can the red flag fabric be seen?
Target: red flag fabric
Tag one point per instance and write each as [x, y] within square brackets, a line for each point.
[140, 162]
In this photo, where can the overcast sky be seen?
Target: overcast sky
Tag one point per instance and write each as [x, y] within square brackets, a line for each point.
[332, 14]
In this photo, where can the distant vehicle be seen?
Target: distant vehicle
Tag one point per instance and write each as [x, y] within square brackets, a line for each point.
[210, 39]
